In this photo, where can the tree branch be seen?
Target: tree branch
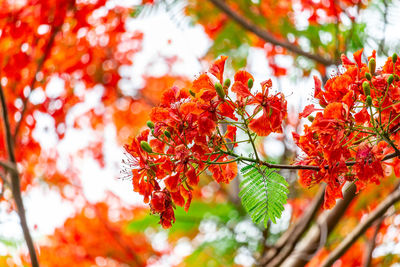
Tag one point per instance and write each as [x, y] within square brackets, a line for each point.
[361, 228]
[371, 245]
[285, 245]
[15, 182]
[268, 37]
[46, 53]
[10, 167]
[300, 229]
[314, 240]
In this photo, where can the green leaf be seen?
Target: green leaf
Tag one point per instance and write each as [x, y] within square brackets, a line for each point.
[263, 192]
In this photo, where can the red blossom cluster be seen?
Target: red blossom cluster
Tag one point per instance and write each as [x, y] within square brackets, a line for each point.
[184, 137]
[349, 139]
[357, 128]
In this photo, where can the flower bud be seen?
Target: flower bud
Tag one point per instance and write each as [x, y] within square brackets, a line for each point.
[394, 58]
[368, 76]
[220, 90]
[372, 65]
[150, 124]
[390, 79]
[167, 134]
[369, 100]
[192, 93]
[311, 118]
[146, 147]
[227, 83]
[250, 83]
[366, 88]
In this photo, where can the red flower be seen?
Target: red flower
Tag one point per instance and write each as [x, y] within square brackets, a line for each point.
[217, 69]
[161, 203]
[240, 86]
[307, 111]
[142, 167]
[274, 111]
[368, 167]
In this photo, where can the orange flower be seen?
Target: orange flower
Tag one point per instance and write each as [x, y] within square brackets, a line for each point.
[274, 111]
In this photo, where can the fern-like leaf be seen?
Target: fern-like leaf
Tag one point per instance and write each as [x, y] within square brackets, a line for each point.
[263, 192]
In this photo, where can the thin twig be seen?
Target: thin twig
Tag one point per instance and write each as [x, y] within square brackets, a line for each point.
[268, 37]
[15, 182]
[298, 167]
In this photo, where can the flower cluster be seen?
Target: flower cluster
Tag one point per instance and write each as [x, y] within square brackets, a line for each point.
[357, 128]
[185, 138]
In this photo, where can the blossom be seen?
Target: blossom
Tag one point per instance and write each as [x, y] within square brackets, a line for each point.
[274, 111]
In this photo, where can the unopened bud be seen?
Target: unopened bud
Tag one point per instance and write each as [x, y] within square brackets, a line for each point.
[366, 88]
[372, 65]
[311, 118]
[369, 100]
[368, 76]
[150, 124]
[167, 134]
[250, 83]
[220, 90]
[390, 79]
[146, 147]
[394, 58]
[192, 93]
[227, 83]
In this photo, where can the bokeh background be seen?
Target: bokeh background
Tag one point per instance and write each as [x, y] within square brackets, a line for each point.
[80, 78]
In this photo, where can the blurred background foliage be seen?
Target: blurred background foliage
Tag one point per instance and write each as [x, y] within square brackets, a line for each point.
[216, 231]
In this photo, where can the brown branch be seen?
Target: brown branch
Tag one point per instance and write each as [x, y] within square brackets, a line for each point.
[327, 221]
[268, 37]
[46, 53]
[372, 241]
[361, 228]
[285, 245]
[8, 166]
[15, 182]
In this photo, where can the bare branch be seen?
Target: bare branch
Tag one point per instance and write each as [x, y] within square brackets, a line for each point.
[268, 37]
[285, 245]
[327, 221]
[372, 241]
[15, 182]
[32, 85]
[361, 228]
[10, 167]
